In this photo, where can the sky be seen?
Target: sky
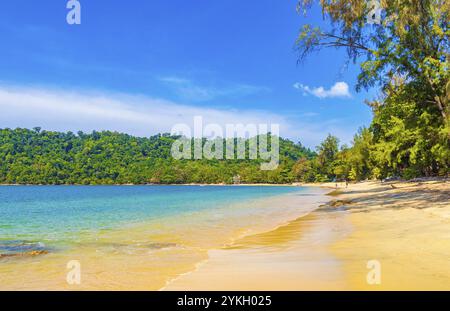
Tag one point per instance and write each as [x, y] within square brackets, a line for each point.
[143, 66]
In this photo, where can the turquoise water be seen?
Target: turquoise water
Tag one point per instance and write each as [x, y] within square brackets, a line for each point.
[32, 216]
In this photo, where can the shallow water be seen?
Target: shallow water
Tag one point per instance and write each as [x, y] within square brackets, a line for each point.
[130, 237]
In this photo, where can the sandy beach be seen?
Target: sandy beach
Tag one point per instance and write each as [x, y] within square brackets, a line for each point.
[316, 238]
[404, 226]
[401, 226]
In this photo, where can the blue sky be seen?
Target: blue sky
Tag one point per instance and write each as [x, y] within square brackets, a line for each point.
[141, 66]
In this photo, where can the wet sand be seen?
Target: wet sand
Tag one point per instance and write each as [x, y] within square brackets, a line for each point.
[294, 256]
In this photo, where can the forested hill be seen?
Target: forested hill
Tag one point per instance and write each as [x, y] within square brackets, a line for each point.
[46, 157]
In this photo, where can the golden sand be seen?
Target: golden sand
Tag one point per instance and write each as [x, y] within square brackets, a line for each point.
[406, 228]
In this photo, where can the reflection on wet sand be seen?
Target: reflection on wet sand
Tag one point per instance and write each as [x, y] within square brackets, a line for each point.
[294, 256]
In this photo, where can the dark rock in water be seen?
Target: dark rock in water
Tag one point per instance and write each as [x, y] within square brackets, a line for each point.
[20, 248]
[339, 203]
[336, 205]
[26, 254]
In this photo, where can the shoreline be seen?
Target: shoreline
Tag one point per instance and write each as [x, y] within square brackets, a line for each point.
[326, 185]
[219, 270]
[401, 225]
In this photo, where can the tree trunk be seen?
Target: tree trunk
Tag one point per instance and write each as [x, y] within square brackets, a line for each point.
[441, 108]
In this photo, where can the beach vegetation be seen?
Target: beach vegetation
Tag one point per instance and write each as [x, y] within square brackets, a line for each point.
[405, 55]
[46, 157]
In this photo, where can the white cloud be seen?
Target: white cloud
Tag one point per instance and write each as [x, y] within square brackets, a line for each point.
[60, 110]
[134, 114]
[339, 89]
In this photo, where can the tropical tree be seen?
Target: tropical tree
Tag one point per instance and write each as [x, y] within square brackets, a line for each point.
[406, 54]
